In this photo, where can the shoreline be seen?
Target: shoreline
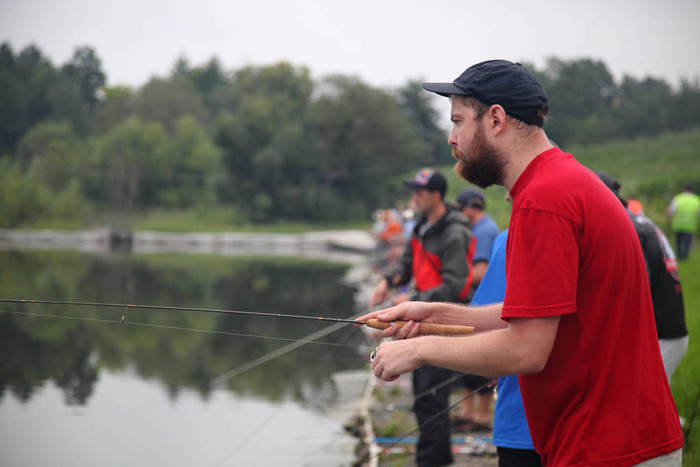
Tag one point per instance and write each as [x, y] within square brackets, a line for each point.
[349, 246]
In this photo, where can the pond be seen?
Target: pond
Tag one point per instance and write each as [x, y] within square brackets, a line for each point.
[168, 387]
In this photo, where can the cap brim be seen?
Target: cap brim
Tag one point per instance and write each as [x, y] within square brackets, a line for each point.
[414, 185]
[444, 89]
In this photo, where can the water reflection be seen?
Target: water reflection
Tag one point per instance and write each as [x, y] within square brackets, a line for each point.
[70, 345]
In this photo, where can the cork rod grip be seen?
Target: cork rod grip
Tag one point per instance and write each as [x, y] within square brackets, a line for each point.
[426, 328]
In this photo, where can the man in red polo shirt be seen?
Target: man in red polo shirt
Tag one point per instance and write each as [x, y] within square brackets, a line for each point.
[576, 323]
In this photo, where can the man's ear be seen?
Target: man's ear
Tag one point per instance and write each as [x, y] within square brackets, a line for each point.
[496, 119]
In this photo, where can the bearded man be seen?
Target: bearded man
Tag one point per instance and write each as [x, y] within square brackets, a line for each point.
[576, 323]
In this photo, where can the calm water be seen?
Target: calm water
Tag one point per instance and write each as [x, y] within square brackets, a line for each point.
[171, 388]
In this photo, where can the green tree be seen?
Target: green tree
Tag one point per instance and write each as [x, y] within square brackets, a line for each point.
[210, 81]
[54, 152]
[642, 107]
[85, 70]
[190, 167]
[13, 118]
[117, 104]
[686, 106]
[580, 94]
[26, 200]
[262, 138]
[26, 84]
[77, 90]
[417, 105]
[360, 140]
[20, 197]
[166, 101]
[130, 158]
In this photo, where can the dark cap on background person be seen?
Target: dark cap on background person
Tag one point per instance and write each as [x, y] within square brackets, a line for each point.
[471, 198]
[428, 179]
[501, 82]
[611, 183]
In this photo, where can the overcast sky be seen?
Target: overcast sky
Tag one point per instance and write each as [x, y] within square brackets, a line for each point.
[385, 43]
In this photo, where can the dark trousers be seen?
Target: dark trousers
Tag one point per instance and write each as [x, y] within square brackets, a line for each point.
[433, 448]
[684, 241]
[509, 457]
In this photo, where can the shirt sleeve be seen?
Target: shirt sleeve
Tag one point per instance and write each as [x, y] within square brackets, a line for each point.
[673, 206]
[541, 265]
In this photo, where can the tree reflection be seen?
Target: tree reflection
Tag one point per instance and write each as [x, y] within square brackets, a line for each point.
[179, 348]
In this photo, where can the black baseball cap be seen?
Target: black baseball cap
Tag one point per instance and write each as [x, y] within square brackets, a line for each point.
[611, 183]
[471, 197]
[428, 179]
[501, 82]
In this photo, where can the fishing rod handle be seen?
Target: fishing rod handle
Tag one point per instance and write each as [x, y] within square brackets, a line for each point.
[425, 328]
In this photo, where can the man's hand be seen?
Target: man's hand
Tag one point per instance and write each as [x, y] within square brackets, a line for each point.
[406, 311]
[400, 298]
[380, 294]
[392, 359]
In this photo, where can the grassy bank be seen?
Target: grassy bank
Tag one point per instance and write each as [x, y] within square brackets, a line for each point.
[685, 383]
[224, 220]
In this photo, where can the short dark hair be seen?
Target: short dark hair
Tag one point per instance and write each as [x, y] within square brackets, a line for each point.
[480, 108]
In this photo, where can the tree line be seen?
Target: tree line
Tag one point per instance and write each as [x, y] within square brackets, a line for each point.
[268, 142]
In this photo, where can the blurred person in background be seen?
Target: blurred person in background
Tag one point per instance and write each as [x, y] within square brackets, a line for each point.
[664, 283]
[438, 260]
[475, 412]
[684, 211]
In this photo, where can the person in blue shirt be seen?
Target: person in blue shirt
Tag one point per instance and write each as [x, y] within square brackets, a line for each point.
[472, 203]
[475, 414]
[511, 435]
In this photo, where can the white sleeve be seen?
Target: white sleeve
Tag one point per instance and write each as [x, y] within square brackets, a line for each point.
[672, 207]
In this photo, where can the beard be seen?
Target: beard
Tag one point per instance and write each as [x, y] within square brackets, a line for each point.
[481, 163]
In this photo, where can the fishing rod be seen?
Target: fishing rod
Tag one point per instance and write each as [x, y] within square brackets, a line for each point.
[368, 456]
[425, 328]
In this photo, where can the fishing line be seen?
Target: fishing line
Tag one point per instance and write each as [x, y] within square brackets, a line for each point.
[431, 419]
[328, 356]
[312, 338]
[431, 391]
[386, 449]
[176, 328]
[245, 440]
[219, 380]
[126, 306]
[425, 328]
[76, 318]
[241, 444]
[288, 348]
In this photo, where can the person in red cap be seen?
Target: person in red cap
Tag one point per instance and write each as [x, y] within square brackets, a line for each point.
[437, 259]
[584, 348]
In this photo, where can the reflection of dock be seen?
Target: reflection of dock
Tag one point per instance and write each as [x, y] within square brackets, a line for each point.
[310, 244]
[342, 245]
[96, 240]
